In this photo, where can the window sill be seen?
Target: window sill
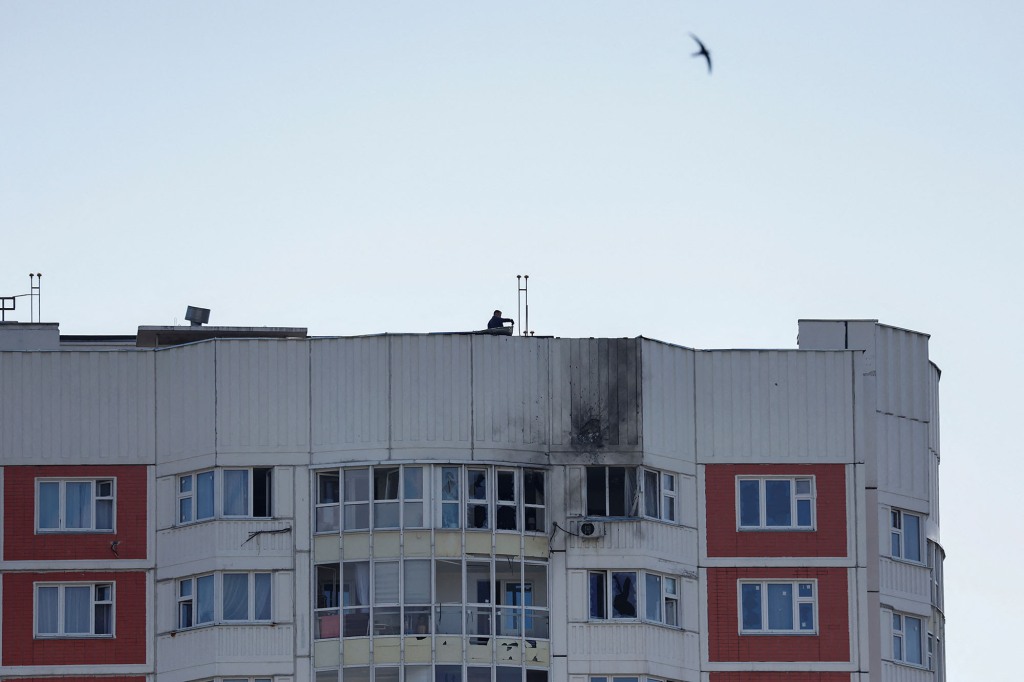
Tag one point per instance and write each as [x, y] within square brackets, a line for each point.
[909, 562]
[76, 636]
[74, 531]
[779, 633]
[776, 529]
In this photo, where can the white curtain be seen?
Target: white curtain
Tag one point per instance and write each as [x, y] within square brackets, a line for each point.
[77, 604]
[204, 599]
[263, 596]
[49, 506]
[236, 492]
[78, 504]
[357, 581]
[204, 495]
[46, 610]
[236, 596]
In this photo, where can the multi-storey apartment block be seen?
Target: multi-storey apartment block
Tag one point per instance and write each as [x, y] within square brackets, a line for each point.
[251, 504]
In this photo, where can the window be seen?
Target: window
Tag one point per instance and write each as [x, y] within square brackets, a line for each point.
[906, 639]
[659, 495]
[533, 501]
[611, 491]
[395, 493]
[74, 610]
[247, 492]
[328, 498]
[905, 535]
[195, 497]
[775, 503]
[777, 607]
[616, 595]
[244, 597]
[75, 505]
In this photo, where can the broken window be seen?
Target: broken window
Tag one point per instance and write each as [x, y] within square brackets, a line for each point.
[611, 491]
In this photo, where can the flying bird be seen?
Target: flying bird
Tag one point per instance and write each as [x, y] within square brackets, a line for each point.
[702, 52]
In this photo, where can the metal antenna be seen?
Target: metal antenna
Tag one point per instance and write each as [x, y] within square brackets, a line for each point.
[523, 284]
[35, 282]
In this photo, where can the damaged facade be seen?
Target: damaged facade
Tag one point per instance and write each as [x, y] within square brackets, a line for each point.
[193, 504]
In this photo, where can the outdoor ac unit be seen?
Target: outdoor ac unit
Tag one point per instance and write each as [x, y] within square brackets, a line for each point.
[591, 529]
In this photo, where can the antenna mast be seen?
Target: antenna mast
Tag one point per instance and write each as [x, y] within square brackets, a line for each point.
[523, 285]
[35, 300]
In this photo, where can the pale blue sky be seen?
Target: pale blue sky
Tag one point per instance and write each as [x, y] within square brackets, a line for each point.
[359, 167]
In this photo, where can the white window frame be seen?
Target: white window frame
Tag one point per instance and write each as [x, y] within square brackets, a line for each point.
[192, 497]
[94, 601]
[95, 500]
[797, 601]
[899, 634]
[898, 538]
[514, 504]
[250, 492]
[217, 596]
[320, 505]
[794, 500]
[665, 495]
[668, 599]
[540, 508]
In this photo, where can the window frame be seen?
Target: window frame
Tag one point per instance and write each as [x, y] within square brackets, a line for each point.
[218, 480]
[898, 536]
[797, 600]
[631, 507]
[899, 634]
[60, 616]
[319, 504]
[94, 501]
[665, 497]
[795, 498]
[217, 596]
[193, 497]
[605, 577]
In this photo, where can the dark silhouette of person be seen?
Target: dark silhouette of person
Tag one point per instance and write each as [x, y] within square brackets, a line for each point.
[497, 321]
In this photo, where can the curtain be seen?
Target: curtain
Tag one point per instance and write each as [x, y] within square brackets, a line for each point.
[77, 604]
[417, 581]
[357, 582]
[46, 610]
[236, 492]
[204, 599]
[263, 596]
[78, 504]
[236, 596]
[49, 505]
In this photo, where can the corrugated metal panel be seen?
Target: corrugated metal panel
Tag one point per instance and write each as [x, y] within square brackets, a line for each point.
[933, 410]
[599, 383]
[905, 580]
[350, 393]
[668, 400]
[223, 541]
[225, 644]
[85, 408]
[774, 406]
[510, 392]
[903, 457]
[262, 395]
[645, 540]
[892, 672]
[185, 401]
[633, 643]
[904, 373]
[430, 391]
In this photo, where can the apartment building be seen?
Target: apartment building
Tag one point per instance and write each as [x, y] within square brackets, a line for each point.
[213, 504]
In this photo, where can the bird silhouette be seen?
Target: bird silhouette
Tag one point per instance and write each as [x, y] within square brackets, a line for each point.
[702, 52]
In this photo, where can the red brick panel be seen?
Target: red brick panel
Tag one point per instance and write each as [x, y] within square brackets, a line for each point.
[832, 643]
[128, 645]
[827, 540]
[21, 542]
[80, 678]
[779, 677]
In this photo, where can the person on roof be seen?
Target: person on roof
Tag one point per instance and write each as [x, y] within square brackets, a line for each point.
[497, 321]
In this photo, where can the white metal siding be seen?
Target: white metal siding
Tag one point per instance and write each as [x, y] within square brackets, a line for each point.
[77, 408]
[668, 400]
[510, 392]
[262, 395]
[771, 406]
[627, 648]
[904, 374]
[185, 402]
[903, 457]
[430, 391]
[349, 393]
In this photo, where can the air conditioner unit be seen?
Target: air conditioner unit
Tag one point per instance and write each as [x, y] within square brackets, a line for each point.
[591, 529]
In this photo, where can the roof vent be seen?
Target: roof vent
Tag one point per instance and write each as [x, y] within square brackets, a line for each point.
[197, 316]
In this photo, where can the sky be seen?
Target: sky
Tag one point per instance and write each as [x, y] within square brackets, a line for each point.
[391, 166]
